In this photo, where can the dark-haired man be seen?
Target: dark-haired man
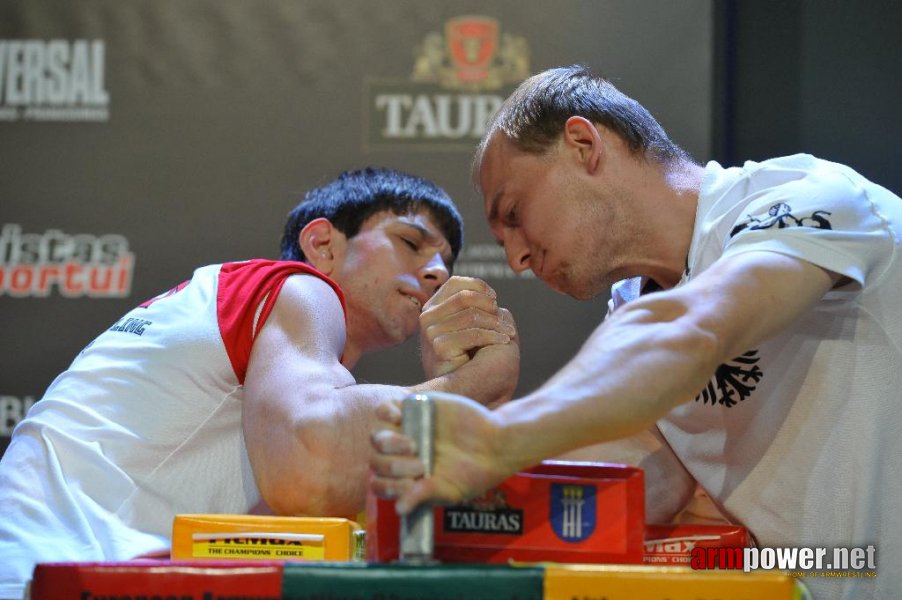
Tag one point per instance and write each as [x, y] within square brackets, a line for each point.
[232, 391]
[754, 326]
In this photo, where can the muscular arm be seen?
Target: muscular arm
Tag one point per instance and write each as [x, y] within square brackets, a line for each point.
[651, 355]
[306, 421]
[659, 351]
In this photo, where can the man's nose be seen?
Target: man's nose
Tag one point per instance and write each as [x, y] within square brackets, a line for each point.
[435, 272]
[517, 253]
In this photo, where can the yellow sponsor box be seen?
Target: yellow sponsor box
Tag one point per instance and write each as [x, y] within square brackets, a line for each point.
[253, 537]
[628, 582]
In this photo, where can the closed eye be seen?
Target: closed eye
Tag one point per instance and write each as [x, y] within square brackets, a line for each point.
[510, 218]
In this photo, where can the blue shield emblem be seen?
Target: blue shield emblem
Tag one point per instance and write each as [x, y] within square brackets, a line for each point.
[572, 511]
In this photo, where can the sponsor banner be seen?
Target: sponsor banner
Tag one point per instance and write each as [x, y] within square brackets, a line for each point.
[265, 545]
[487, 261]
[71, 265]
[53, 80]
[488, 513]
[233, 536]
[459, 79]
[12, 410]
[673, 544]
[227, 112]
[427, 115]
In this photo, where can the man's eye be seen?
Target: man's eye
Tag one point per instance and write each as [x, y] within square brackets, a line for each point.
[510, 217]
[411, 244]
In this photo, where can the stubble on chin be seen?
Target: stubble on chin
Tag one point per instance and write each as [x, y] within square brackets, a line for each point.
[581, 286]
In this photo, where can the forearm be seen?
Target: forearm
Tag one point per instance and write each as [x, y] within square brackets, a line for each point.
[319, 454]
[490, 377]
[659, 351]
[649, 356]
[315, 458]
[632, 371]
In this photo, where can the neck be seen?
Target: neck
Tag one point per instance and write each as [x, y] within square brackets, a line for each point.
[684, 178]
[351, 352]
[668, 196]
[349, 358]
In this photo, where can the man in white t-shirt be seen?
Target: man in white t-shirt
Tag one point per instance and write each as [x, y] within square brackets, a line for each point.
[753, 343]
[232, 392]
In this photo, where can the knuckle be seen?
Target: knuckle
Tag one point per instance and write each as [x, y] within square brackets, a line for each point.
[428, 315]
[430, 333]
[442, 345]
[463, 280]
[465, 296]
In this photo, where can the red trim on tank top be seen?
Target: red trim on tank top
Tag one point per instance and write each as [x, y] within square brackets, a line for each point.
[242, 287]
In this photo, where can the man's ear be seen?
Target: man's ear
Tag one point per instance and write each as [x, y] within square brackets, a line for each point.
[319, 240]
[582, 136]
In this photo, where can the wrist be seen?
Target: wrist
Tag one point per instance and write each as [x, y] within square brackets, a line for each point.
[463, 381]
[513, 439]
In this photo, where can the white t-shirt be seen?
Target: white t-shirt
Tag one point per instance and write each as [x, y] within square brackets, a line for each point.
[145, 424]
[800, 438]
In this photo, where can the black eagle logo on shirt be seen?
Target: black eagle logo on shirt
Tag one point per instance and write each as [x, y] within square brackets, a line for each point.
[733, 381]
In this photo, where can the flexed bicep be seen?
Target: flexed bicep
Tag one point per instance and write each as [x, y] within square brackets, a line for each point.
[292, 374]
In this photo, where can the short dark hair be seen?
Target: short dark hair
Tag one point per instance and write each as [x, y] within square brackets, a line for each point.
[354, 196]
[533, 116]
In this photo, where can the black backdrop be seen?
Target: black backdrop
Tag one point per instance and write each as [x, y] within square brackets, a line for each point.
[141, 139]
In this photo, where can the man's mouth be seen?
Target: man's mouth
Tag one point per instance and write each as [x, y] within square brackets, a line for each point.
[414, 300]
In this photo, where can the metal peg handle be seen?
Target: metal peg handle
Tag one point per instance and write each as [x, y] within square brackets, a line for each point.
[418, 527]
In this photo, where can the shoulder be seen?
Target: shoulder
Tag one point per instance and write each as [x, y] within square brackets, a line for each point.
[803, 175]
[310, 295]
[249, 292]
[308, 316]
[265, 274]
[792, 191]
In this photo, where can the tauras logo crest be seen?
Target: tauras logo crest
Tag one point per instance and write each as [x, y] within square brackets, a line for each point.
[472, 55]
[459, 79]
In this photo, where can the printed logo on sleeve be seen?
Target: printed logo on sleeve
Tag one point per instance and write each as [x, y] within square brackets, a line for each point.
[780, 216]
